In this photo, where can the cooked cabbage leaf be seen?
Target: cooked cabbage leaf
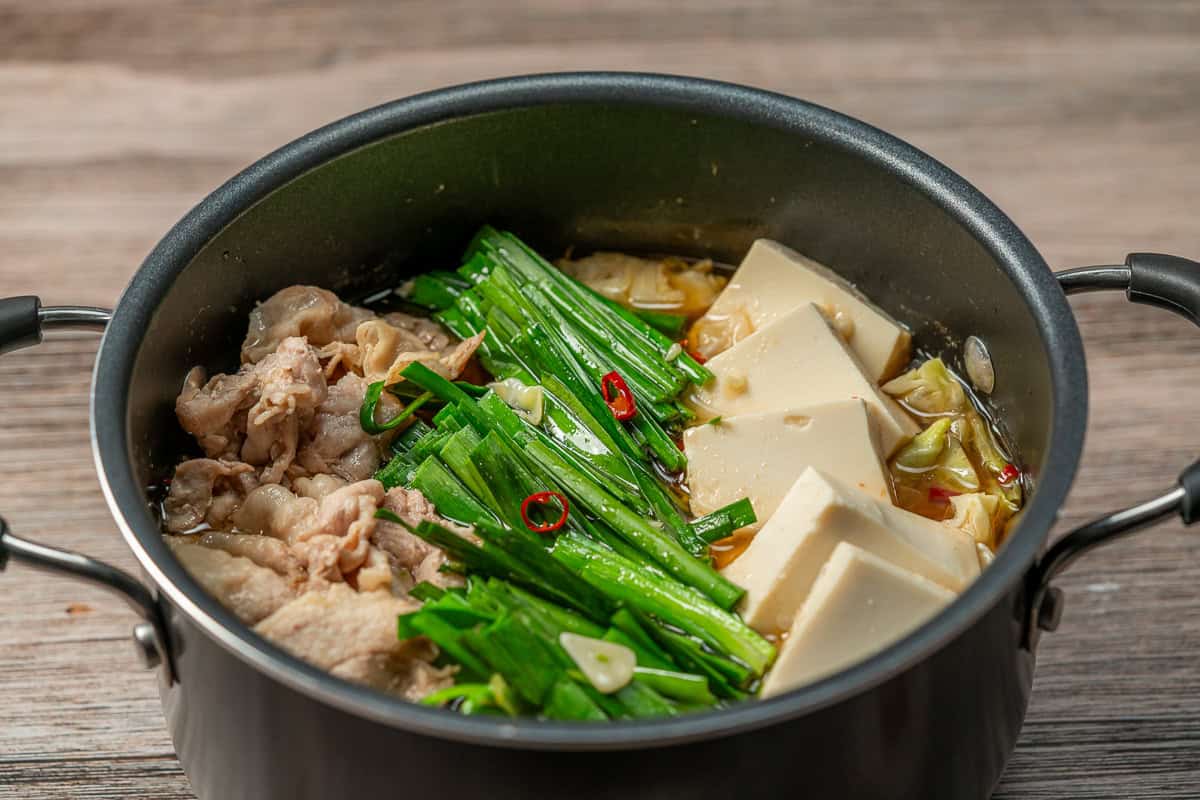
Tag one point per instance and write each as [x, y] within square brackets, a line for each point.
[929, 390]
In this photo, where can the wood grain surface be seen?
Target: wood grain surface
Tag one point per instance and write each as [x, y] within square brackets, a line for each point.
[1078, 118]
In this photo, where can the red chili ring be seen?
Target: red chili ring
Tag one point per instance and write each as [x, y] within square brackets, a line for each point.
[541, 498]
[623, 405]
[699, 359]
[1009, 474]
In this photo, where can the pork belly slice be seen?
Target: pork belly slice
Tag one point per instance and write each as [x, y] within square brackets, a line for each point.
[250, 591]
[353, 635]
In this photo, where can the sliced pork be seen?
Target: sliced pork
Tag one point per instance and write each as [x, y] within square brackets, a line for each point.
[386, 350]
[412, 554]
[284, 500]
[335, 443]
[273, 554]
[206, 491]
[353, 635]
[291, 387]
[257, 415]
[250, 591]
[308, 311]
[432, 335]
[330, 536]
[214, 411]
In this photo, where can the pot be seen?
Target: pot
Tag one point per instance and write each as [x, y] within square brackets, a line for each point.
[628, 162]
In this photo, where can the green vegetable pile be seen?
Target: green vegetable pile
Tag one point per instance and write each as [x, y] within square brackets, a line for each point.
[612, 555]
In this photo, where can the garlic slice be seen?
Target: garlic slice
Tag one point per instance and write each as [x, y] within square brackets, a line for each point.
[608, 666]
[527, 401]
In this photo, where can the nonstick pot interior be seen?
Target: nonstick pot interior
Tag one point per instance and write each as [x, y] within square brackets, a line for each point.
[617, 162]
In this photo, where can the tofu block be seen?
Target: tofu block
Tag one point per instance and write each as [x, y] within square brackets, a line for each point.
[781, 564]
[859, 605]
[759, 456]
[773, 280]
[797, 360]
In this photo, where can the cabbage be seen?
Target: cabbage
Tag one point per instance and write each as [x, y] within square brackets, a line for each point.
[923, 450]
[974, 514]
[929, 390]
[938, 452]
[954, 469]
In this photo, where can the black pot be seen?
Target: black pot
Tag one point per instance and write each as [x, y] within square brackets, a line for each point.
[633, 162]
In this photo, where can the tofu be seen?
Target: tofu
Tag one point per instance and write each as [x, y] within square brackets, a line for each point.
[759, 456]
[780, 566]
[797, 360]
[859, 605]
[774, 280]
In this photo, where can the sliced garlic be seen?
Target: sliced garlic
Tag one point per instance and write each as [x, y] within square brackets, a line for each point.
[527, 401]
[608, 666]
[979, 365]
[673, 352]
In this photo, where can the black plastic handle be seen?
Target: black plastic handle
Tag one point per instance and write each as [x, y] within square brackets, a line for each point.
[22, 322]
[1168, 282]
[1163, 281]
[20, 325]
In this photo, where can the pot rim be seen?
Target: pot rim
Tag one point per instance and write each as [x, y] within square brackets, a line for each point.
[991, 227]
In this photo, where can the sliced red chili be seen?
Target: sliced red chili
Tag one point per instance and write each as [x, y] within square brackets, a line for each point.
[543, 498]
[699, 359]
[940, 495]
[1009, 474]
[618, 396]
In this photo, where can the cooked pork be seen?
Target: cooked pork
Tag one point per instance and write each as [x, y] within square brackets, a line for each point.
[206, 491]
[335, 442]
[353, 635]
[415, 556]
[386, 350]
[271, 553]
[248, 590]
[291, 387]
[285, 498]
[257, 415]
[214, 411]
[431, 335]
[306, 311]
[318, 486]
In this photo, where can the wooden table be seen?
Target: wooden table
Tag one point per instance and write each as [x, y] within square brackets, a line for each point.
[1079, 119]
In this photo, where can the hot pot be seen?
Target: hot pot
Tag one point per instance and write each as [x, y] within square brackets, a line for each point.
[628, 162]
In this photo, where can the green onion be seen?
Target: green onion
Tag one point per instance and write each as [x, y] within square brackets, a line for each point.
[451, 498]
[568, 701]
[366, 414]
[425, 591]
[677, 685]
[661, 548]
[517, 653]
[468, 698]
[669, 325]
[449, 640]
[725, 520]
[435, 290]
[688, 610]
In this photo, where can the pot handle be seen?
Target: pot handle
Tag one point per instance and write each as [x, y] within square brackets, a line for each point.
[1154, 279]
[22, 323]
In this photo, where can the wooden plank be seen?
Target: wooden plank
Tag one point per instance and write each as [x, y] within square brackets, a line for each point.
[1079, 119]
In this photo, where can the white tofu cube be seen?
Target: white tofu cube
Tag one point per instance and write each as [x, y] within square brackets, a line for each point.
[774, 280]
[759, 456]
[858, 605]
[779, 567]
[797, 360]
